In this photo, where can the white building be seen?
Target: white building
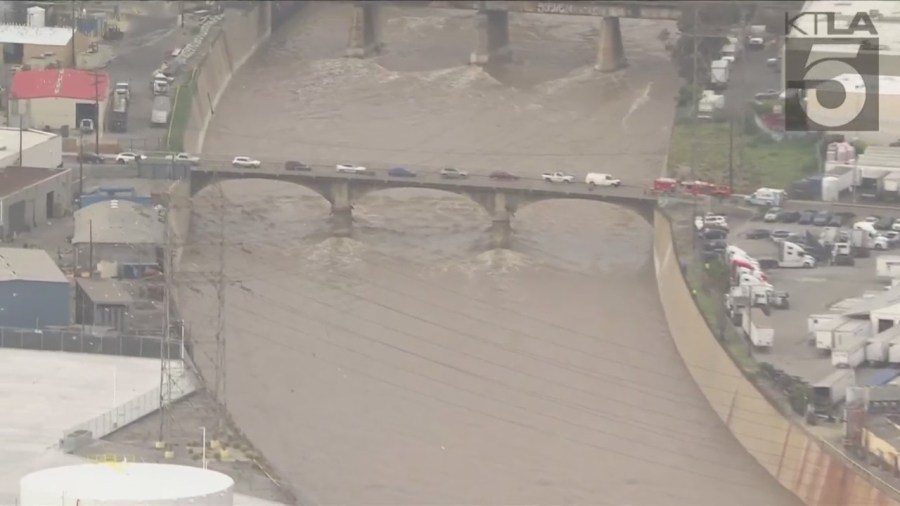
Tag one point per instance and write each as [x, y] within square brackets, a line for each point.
[39, 148]
[29, 196]
[117, 231]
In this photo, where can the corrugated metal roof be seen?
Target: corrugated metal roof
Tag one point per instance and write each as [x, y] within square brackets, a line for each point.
[37, 35]
[866, 306]
[106, 291]
[20, 264]
[59, 83]
[118, 222]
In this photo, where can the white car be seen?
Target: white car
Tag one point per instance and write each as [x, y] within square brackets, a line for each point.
[245, 162]
[350, 169]
[183, 157]
[715, 220]
[772, 215]
[558, 177]
[129, 156]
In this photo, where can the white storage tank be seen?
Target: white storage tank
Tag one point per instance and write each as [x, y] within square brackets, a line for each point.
[126, 484]
[35, 16]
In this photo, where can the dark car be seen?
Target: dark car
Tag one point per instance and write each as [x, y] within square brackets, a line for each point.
[780, 234]
[504, 176]
[90, 158]
[712, 233]
[840, 219]
[884, 223]
[807, 217]
[758, 233]
[715, 245]
[295, 165]
[789, 216]
[822, 218]
[401, 172]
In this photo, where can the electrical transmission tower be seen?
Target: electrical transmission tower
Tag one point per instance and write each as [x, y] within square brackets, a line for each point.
[221, 359]
[167, 381]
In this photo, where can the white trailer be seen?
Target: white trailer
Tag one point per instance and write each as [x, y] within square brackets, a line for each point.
[849, 354]
[878, 346]
[850, 331]
[831, 390]
[887, 266]
[815, 321]
[824, 333]
[891, 186]
[758, 328]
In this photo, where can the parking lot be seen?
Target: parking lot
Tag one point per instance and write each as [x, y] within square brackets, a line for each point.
[811, 291]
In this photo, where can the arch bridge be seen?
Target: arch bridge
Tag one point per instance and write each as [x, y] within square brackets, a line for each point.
[499, 199]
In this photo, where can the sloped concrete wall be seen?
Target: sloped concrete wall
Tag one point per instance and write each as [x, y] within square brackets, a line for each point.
[241, 34]
[817, 474]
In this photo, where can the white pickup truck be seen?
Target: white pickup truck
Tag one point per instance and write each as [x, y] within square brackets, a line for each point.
[558, 177]
[598, 179]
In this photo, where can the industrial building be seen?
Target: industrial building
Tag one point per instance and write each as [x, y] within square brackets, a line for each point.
[34, 293]
[104, 303]
[59, 99]
[39, 148]
[30, 196]
[40, 46]
[120, 232]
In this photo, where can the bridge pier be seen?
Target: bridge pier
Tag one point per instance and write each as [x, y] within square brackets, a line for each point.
[341, 209]
[365, 31]
[611, 50]
[502, 208]
[491, 38]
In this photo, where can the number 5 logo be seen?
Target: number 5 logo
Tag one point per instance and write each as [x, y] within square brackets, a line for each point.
[843, 75]
[840, 81]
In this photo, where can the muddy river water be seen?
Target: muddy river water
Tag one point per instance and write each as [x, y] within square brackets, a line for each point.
[410, 364]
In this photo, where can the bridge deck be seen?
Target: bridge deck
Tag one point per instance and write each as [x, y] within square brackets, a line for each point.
[532, 187]
[626, 9]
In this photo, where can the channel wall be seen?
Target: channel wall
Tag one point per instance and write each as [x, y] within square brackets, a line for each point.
[814, 470]
[241, 35]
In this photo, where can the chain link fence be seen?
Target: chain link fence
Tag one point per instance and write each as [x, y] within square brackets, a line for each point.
[135, 409]
[80, 342]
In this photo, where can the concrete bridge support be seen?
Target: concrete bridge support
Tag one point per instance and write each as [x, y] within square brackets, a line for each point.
[341, 209]
[491, 38]
[502, 211]
[365, 31]
[611, 51]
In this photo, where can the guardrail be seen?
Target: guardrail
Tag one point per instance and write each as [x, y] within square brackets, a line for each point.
[134, 409]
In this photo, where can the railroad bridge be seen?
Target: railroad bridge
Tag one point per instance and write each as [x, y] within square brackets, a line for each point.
[492, 25]
[499, 199]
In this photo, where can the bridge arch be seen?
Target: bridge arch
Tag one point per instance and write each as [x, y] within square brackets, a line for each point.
[643, 210]
[201, 181]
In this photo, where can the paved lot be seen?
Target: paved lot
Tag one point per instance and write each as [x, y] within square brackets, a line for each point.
[812, 291]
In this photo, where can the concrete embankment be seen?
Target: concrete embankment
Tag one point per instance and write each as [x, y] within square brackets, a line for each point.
[817, 473]
[232, 46]
[239, 38]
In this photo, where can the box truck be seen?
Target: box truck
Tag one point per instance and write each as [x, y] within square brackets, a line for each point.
[830, 391]
[758, 328]
[824, 333]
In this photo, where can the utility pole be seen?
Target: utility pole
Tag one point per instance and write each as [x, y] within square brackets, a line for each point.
[97, 108]
[221, 352]
[694, 100]
[731, 153]
[21, 137]
[74, 52]
[165, 357]
[80, 166]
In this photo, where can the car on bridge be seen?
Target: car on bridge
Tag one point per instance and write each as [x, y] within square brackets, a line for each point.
[502, 175]
[401, 172]
[297, 166]
[451, 173]
[129, 156]
[345, 168]
[558, 177]
[90, 158]
[245, 162]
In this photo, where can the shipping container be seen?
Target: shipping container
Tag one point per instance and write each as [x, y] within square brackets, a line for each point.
[850, 353]
[831, 390]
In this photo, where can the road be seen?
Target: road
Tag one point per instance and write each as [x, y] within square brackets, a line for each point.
[411, 364]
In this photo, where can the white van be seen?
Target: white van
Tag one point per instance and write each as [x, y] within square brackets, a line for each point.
[598, 179]
[766, 197]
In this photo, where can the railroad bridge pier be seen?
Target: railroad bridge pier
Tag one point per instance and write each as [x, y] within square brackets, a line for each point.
[492, 41]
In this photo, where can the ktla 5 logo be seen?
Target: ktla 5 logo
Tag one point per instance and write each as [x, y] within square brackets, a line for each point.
[831, 83]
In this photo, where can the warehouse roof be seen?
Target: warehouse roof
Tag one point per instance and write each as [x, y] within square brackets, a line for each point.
[108, 292]
[37, 35]
[59, 83]
[118, 222]
[13, 179]
[20, 264]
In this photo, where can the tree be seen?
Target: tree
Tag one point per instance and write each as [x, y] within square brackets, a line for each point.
[712, 19]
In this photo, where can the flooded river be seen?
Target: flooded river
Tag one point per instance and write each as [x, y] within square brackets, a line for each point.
[411, 365]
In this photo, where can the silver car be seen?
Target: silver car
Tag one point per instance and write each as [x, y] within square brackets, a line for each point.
[451, 173]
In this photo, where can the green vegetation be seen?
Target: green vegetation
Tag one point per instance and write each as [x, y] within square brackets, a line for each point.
[758, 160]
[181, 112]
